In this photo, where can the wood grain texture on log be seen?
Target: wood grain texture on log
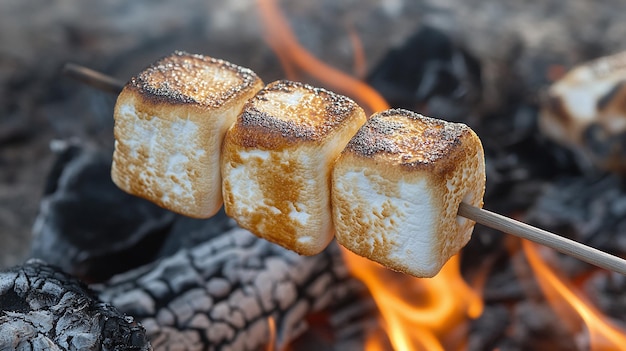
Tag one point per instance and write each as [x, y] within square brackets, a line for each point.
[221, 294]
[42, 308]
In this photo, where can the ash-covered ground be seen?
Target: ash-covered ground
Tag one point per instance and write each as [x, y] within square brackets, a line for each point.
[516, 44]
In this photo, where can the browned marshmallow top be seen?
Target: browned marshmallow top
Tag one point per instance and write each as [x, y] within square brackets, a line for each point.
[285, 113]
[183, 78]
[409, 139]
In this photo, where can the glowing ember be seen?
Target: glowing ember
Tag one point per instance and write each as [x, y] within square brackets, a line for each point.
[567, 301]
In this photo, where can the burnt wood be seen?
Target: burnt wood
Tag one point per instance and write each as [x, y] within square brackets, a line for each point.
[221, 294]
[42, 308]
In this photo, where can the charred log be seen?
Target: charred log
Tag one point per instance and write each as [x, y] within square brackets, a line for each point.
[225, 293]
[42, 308]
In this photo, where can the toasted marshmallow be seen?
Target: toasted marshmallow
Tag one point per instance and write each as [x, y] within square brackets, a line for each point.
[277, 159]
[170, 122]
[585, 111]
[397, 186]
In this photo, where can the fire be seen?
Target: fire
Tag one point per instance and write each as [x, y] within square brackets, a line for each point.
[568, 302]
[418, 314]
[292, 55]
[271, 325]
[426, 314]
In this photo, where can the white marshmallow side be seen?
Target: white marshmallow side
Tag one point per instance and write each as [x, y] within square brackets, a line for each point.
[163, 170]
[282, 196]
[403, 221]
[171, 159]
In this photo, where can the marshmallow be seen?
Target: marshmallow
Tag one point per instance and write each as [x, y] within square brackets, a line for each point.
[397, 186]
[585, 111]
[277, 159]
[170, 121]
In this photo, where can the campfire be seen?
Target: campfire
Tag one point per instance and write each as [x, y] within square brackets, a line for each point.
[198, 284]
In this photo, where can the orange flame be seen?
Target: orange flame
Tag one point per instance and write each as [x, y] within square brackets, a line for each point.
[360, 68]
[418, 314]
[425, 314]
[271, 325]
[567, 301]
[291, 54]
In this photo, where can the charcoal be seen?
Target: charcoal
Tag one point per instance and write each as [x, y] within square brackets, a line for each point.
[589, 208]
[14, 130]
[536, 327]
[90, 228]
[429, 72]
[489, 328]
[42, 308]
[606, 291]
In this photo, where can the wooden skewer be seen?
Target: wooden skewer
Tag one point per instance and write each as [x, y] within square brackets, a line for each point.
[484, 217]
[557, 242]
[93, 78]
